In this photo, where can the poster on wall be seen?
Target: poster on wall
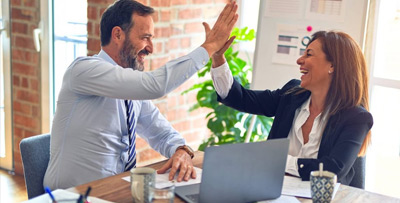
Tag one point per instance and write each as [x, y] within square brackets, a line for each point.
[283, 9]
[290, 43]
[325, 10]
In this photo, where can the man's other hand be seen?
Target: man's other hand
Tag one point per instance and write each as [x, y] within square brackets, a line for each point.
[180, 163]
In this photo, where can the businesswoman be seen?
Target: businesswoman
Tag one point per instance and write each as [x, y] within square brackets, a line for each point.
[324, 115]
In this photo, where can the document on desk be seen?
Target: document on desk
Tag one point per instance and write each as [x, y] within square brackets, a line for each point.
[162, 180]
[294, 186]
[281, 199]
[63, 196]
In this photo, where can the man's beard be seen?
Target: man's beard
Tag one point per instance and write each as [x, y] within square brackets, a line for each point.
[128, 57]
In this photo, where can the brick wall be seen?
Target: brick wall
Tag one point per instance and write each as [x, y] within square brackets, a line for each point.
[25, 17]
[178, 30]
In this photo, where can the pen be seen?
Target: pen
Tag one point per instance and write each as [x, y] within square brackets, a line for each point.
[47, 189]
[80, 199]
[87, 194]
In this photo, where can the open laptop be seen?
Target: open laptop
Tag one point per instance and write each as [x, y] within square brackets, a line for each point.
[244, 172]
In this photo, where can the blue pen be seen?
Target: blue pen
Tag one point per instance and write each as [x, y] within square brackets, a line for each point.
[47, 189]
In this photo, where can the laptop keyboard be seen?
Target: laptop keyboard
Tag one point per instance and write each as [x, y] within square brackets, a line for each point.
[193, 197]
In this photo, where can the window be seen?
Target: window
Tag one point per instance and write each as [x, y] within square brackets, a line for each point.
[6, 147]
[64, 37]
[70, 37]
[383, 158]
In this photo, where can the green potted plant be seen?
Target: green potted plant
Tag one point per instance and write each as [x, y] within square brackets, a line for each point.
[226, 124]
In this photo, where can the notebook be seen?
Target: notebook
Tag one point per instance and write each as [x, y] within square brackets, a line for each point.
[244, 172]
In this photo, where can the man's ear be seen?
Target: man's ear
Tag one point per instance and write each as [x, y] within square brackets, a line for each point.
[117, 35]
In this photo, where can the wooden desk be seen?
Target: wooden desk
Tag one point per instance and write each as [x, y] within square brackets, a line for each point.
[117, 190]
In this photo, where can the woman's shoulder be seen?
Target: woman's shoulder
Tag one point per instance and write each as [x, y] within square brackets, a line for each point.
[358, 113]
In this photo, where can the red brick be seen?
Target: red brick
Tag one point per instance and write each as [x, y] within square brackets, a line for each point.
[195, 27]
[157, 63]
[104, 2]
[101, 13]
[190, 13]
[172, 101]
[23, 69]
[92, 13]
[28, 96]
[25, 82]
[181, 125]
[29, 133]
[160, 32]
[173, 44]
[97, 29]
[89, 27]
[141, 143]
[160, 3]
[155, 16]
[202, 1]
[158, 47]
[24, 42]
[148, 154]
[162, 107]
[165, 16]
[16, 81]
[93, 45]
[34, 84]
[18, 169]
[35, 111]
[18, 132]
[144, 2]
[26, 121]
[15, 3]
[31, 3]
[178, 2]
[21, 14]
[21, 28]
[220, 1]
[200, 122]
[185, 42]
[22, 108]
[212, 12]
[177, 29]
[193, 137]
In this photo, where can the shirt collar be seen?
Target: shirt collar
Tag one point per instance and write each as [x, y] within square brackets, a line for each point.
[102, 54]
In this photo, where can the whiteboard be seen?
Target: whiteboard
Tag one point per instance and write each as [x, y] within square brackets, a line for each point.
[282, 34]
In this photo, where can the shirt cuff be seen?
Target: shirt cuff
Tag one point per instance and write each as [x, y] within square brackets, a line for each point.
[291, 166]
[222, 79]
[200, 57]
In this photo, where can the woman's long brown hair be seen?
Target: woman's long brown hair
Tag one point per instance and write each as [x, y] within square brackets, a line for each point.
[349, 86]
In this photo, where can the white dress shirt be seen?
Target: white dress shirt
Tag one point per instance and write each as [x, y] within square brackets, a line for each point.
[89, 136]
[223, 80]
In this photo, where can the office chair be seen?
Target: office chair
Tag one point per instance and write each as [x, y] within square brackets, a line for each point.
[359, 176]
[35, 153]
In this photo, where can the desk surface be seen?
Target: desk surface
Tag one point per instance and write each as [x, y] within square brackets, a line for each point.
[117, 190]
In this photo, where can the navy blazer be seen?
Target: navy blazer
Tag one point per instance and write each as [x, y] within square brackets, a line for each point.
[342, 137]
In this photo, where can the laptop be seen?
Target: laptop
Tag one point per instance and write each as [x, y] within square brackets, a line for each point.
[244, 172]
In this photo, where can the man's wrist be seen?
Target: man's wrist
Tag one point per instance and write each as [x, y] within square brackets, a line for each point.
[187, 149]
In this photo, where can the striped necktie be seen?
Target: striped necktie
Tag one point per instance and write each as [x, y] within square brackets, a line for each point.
[130, 114]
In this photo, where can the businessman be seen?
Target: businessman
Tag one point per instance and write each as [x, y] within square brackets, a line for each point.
[105, 100]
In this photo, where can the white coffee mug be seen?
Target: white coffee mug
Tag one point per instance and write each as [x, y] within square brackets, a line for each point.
[141, 180]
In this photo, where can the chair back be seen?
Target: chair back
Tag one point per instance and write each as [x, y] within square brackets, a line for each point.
[35, 153]
[359, 175]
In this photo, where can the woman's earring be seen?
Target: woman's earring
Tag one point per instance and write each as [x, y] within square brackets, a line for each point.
[329, 72]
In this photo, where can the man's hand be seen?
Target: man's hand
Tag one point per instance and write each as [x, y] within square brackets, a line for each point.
[217, 37]
[179, 161]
